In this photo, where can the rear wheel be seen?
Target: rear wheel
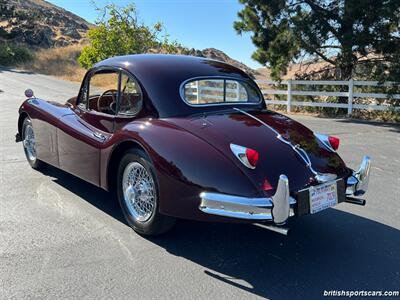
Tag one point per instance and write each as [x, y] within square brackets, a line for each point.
[29, 143]
[137, 191]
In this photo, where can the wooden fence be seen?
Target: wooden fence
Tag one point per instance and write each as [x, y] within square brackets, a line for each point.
[350, 94]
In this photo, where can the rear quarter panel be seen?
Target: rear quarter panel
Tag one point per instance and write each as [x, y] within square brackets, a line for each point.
[185, 166]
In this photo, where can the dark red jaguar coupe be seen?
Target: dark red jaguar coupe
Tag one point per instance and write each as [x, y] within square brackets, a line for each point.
[186, 137]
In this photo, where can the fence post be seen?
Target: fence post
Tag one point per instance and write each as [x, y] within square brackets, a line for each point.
[289, 96]
[198, 92]
[350, 99]
[237, 91]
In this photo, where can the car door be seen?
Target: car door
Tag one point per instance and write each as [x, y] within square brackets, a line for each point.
[82, 135]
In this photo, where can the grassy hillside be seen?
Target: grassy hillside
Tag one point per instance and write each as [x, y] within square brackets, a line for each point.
[60, 62]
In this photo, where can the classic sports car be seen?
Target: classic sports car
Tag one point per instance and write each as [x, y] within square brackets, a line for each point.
[186, 137]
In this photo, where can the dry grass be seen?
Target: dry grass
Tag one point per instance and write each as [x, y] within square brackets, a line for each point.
[60, 62]
[102, 82]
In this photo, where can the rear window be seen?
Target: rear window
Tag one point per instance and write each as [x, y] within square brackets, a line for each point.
[219, 91]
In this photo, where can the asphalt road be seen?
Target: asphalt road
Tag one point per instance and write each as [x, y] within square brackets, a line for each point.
[63, 238]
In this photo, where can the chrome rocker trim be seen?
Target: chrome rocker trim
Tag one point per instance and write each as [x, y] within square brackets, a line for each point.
[277, 208]
[280, 206]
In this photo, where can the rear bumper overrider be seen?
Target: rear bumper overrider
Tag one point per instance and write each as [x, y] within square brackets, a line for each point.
[281, 206]
[357, 184]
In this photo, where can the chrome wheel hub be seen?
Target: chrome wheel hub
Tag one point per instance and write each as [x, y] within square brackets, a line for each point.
[139, 191]
[29, 142]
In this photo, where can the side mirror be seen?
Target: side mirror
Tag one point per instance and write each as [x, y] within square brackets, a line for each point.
[28, 93]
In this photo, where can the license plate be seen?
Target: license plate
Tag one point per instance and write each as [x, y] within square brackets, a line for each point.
[323, 196]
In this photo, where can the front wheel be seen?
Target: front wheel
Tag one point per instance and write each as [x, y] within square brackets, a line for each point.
[137, 191]
[29, 143]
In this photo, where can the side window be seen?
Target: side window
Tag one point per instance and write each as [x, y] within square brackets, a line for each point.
[103, 91]
[236, 92]
[131, 96]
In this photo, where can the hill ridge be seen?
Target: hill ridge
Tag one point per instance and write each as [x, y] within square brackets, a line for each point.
[41, 24]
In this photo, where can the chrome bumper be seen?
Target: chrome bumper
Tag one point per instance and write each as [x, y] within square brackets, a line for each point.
[277, 208]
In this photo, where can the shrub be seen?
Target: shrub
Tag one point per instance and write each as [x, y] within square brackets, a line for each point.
[14, 54]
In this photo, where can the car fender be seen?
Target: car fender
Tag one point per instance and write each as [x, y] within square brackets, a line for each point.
[185, 166]
[45, 117]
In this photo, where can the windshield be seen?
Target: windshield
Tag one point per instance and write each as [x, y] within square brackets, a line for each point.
[212, 91]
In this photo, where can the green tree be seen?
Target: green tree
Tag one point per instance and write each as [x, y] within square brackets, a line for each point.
[347, 34]
[118, 31]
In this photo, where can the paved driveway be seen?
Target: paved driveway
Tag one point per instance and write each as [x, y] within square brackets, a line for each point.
[63, 238]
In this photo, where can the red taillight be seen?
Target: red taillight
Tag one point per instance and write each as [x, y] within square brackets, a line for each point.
[247, 156]
[252, 156]
[334, 142]
[266, 185]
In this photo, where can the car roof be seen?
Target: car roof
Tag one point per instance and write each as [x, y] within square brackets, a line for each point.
[161, 76]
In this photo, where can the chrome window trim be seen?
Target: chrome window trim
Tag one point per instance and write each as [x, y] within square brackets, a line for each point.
[129, 115]
[256, 88]
[86, 82]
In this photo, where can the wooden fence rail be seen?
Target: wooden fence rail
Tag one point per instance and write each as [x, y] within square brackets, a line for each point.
[350, 94]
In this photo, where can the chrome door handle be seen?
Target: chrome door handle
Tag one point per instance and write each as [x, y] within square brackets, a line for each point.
[99, 135]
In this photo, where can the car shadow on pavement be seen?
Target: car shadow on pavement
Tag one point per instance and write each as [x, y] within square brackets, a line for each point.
[96, 196]
[332, 250]
[14, 70]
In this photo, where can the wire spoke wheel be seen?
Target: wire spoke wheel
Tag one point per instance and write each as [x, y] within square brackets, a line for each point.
[139, 191]
[138, 194]
[30, 142]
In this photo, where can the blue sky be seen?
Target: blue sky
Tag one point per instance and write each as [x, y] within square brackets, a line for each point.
[194, 23]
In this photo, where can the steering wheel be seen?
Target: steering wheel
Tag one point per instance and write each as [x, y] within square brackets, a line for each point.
[111, 107]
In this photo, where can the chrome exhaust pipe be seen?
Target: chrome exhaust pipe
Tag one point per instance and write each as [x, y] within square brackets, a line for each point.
[355, 201]
[281, 230]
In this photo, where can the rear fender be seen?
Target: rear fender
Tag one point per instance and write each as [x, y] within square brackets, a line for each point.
[185, 166]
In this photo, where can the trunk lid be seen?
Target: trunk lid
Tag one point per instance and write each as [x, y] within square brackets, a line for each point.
[276, 157]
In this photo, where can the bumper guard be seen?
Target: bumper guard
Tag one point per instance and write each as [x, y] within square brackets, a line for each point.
[357, 184]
